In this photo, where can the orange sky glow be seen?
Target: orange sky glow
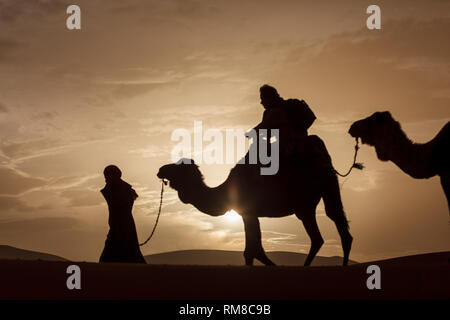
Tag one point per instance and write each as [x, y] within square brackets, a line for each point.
[72, 102]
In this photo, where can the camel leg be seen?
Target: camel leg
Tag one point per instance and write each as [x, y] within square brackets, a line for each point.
[312, 229]
[253, 244]
[346, 239]
[335, 211]
[445, 182]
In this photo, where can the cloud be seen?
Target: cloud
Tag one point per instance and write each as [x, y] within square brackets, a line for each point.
[279, 238]
[152, 151]
[8, 11]
[167, 13]
[45, 115]
[171, 62]
[67, 182]
[359, 69]
[38, 225]
[12, 10]
[16, 150]
[3, 108]
[365, 181]
[7, 47]
[14, 182]
[82, 197]
[27, 150]
[124, 91]
[9, 203]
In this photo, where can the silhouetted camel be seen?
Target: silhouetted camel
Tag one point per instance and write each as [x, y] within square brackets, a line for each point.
[296, 189]
[420, 161]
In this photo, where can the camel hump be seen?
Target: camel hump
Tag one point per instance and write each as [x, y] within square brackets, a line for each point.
[314, 139]
[441, 156]
[442, 139]
[317, 147]
[316, 143]
[445, 133]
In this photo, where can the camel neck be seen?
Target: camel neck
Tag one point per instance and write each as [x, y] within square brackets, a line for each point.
[412, 158]
[212, 201]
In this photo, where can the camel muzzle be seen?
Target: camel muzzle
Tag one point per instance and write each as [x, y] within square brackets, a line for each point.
[353, 131]
[162, 176]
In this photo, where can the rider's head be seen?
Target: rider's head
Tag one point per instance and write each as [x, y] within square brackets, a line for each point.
[112, 173]
[269, 96]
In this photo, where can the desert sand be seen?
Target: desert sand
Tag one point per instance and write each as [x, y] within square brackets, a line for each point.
[424, 276]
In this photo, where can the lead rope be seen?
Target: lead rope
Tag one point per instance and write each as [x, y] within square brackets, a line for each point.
[355, 165]
[159, 213]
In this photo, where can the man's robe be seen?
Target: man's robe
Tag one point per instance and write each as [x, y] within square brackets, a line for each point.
[121, 244]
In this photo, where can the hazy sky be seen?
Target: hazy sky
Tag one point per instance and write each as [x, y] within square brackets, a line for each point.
[72, 102]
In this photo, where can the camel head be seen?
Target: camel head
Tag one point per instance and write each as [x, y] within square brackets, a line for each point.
[378, 130]
[183, 176]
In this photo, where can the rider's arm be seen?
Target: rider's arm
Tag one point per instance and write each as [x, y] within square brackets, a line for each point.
[263, 124]
[308, 115]
[272, 119]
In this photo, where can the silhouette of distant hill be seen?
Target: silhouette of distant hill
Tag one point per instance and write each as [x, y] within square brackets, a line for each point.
[418, 259]
[8, 252]
[232, 258]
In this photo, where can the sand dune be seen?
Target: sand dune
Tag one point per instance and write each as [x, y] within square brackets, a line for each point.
[188, 257]
[8, 252]
[235, 258]
[413, 277]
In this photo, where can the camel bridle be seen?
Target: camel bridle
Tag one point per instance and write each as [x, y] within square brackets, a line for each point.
[355, 164]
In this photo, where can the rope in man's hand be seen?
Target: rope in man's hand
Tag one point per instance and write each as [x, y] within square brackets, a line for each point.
[163, 183]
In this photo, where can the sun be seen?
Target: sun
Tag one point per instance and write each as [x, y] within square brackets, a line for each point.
[232, 216]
